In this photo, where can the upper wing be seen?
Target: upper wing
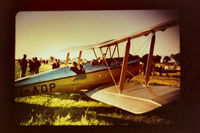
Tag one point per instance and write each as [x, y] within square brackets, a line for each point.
[135, 99]
[159, 27]
[85, 47]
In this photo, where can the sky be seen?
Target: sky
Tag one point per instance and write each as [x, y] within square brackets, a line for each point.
[51, 33]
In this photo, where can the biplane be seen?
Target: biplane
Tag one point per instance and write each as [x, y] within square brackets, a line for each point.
[106, 79]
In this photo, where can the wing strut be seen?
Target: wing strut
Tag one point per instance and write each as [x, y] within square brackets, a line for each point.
[113, 51]
[79, 58]
[110, 52]
[117, 49]
[67, 59]
[109, 70]
[124, 67]
[149, 61]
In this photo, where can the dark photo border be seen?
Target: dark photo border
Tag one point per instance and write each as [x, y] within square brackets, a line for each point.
[189, 47]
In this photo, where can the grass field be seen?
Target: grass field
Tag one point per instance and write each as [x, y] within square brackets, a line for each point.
[77, 109]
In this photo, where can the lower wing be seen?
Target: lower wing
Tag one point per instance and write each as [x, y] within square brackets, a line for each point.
[136, 99]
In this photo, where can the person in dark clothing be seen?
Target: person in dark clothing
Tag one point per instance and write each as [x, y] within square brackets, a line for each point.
[166, 59]
[31, 66]
[23, 64]
[75, 67]
[36, 65]
[144, 60]
[82, 70]
[156, 59]
[156, 66]
[177, 58]
[56, 64]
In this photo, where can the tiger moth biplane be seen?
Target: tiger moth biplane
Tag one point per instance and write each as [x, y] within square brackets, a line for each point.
[106, 80]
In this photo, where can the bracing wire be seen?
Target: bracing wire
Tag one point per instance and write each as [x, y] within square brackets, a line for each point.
[145, 42]
[110, 72]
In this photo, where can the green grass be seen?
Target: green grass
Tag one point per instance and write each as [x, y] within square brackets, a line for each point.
[77, 109]
[68, 109]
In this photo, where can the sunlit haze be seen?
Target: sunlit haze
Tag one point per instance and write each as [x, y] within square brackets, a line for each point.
[50, 33]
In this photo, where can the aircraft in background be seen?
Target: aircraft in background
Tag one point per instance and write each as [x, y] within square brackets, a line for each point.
[106, 79]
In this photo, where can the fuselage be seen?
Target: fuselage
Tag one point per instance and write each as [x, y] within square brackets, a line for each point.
[66, 80]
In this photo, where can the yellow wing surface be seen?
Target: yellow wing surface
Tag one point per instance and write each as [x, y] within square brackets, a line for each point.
[135, 99]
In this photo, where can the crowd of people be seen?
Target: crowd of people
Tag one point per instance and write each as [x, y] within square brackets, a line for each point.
[56, 64]
[157, 66]
[34, 65]
[156, 61]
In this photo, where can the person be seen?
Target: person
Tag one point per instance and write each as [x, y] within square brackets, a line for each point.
[82, 70]
[158, 68]
[36, 65]
[78, 69]
[31, 66]
[144, 60]
[166, 60]
[140, 67]
[23, 64]
[56, 64]
[75, 67]
[176, 57]
[46, 61]
[94, 62]
[166, 63]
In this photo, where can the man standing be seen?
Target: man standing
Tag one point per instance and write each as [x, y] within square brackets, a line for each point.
[23, 64]
[31, 66]
[56, 64]
[36, 65]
